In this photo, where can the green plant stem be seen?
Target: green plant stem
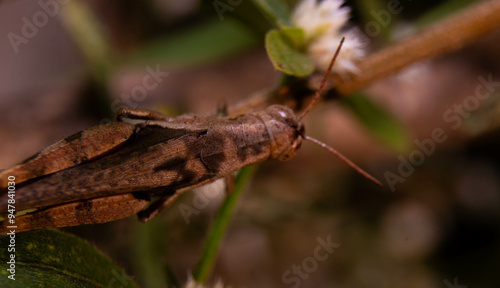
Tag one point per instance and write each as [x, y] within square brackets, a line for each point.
[88, 34]
[207, 260]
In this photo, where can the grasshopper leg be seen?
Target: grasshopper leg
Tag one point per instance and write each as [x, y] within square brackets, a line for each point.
[156, 207]
[140, 114]
[229, 179]
[222, 109]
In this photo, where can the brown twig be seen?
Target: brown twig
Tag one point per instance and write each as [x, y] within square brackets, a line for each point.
[445, 36]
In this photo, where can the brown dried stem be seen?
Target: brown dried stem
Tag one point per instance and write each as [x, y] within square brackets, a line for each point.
[445, 36]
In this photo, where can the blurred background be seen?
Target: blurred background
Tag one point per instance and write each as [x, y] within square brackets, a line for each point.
[68, 66]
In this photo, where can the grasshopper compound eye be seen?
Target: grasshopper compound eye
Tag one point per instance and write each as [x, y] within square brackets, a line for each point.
[283, 114]
[284, 130]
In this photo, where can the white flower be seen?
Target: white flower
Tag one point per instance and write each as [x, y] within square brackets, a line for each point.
[322, 24]
[192, 284]
[316, 19]
[322, 49]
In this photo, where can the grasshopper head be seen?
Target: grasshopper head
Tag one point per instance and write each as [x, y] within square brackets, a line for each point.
[286, 130]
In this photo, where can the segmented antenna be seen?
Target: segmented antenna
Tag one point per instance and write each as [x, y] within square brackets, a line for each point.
[323, 82]
[311, 105]
[345, 159]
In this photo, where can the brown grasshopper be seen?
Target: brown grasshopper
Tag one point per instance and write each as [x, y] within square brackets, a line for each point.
[112, 171]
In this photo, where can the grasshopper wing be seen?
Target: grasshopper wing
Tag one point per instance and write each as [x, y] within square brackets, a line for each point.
[71, 151]
[92, 211]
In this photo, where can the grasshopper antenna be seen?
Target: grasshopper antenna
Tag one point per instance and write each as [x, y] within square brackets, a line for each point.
[323, 82]
[346, 160]
[311, 105]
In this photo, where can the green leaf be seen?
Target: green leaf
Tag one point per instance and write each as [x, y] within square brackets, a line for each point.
[296, 35]
[276, 10]
[50, 258]
[285, 57]
[207, 42]
[207, 260]
[380, 122]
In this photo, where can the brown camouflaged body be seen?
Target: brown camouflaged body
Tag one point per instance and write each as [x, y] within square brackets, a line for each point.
[79, 175]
